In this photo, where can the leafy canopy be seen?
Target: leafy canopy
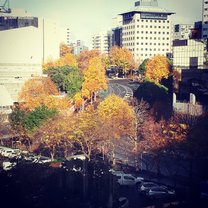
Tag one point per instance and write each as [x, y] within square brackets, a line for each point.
[157, 68]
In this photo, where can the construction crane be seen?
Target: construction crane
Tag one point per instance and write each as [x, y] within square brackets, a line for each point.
[5, 7]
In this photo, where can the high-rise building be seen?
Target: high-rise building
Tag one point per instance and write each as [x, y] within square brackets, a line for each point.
[102, 42]
[205, 20]
[182, 31]
[147, 30]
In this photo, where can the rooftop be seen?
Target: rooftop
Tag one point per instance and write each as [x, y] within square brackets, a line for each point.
[148, 6]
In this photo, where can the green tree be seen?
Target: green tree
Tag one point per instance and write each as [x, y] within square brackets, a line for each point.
[142, 67]
[72, 83]
[156, 96]
[23, 120]
[38, 116]
[59, 73]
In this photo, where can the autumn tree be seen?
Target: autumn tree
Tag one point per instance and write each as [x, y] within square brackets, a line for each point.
[41, 91]
[64, 49]
[68, 59]
[86, 132]
[55, 134]
[118, 120]
[84, 58]
[157, 68]
[94, 79]
[122, 58]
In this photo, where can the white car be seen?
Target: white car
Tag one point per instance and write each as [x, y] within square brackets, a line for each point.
[128, 179]
[8, 165]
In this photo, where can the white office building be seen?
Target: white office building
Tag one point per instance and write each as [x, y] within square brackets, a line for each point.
[26, 43]
[147, 30]
[182, 31]
[205, 19]
[102, 42]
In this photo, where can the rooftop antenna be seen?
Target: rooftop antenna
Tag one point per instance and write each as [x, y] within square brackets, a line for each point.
[5, 7]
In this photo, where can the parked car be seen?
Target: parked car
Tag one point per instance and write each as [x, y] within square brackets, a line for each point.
[127, 179]
[43, 159]
[8, 165]
[160, 192]
[10, 153]
[122, 202]
[146, 186]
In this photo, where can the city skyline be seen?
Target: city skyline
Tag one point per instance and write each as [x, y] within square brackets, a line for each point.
[89, 17]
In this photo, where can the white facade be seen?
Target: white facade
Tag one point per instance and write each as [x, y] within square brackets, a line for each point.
[205, 19]
[102, 42]
[188, 54]
[182, 31]
[23, 51]
[79, 47]
[147, 30]
[6, 101]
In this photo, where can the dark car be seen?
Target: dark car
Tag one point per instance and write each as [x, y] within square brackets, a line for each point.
[160, 192]
[146, 186]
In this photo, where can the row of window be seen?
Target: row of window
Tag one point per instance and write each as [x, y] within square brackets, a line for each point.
[132, 44]
[146, 55]
[146, 38]
[146, 32]
[145, 26]
[151, 49]
[150, 20]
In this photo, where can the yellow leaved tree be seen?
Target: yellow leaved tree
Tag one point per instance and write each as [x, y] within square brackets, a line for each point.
[122, 58]
[118, 121]
[84, 58]
[157, 68]
[94, 78]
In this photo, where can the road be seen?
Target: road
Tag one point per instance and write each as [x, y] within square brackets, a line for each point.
[122, 87]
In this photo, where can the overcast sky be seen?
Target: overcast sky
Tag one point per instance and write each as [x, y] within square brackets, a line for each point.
[86, 17]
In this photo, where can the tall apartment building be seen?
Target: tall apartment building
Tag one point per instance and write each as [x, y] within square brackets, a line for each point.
[147, 30]
[182, 31]
[205, 20]
[102, 42]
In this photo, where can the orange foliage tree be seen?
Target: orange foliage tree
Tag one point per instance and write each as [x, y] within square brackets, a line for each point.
[94, 78]
[122, 58]
[41, 91]
[64, 49]
[55, 133]
[157, 68]
[84, 58]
